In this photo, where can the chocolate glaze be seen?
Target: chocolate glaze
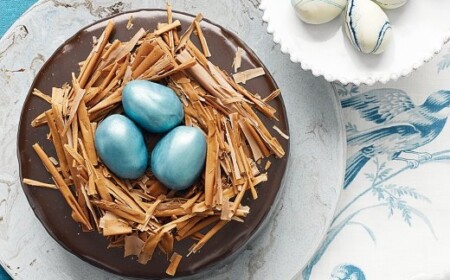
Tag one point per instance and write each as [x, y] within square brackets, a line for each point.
[53, 212]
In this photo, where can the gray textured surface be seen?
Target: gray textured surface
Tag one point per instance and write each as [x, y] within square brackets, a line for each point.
[317, 143]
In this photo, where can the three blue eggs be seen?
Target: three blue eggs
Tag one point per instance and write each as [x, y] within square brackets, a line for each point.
[177, 159]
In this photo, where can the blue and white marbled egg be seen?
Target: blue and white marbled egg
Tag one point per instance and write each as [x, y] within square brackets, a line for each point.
[318, 11]
[367, 26]
[154, 107]
[179, 157]
[121, 147]
[391, 4]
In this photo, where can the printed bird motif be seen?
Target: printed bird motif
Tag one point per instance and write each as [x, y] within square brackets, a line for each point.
[403, 127]
[347, 272]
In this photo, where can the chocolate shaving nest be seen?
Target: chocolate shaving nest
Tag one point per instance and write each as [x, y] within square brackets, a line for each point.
[142, 215]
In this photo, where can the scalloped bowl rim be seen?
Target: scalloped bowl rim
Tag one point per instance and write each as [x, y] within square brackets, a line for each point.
[367, 80]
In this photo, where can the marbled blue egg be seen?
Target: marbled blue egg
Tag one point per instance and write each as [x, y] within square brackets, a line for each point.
[154, 107]
[121, 147]
[179, 157]
[367, 26]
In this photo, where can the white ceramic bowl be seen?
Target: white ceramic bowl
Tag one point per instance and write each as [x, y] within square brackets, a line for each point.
[420, 29]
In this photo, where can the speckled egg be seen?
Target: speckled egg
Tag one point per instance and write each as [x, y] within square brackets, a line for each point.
[121, 147]
[179, 157]
[367, 26]
[391, 4]
[318, 11]
[154, 107]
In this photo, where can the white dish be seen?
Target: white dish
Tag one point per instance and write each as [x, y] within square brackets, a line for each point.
[313, 179]
[420, 29]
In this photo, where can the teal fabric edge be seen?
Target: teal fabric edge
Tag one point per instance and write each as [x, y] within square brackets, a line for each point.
[4, 275]
[10, 11]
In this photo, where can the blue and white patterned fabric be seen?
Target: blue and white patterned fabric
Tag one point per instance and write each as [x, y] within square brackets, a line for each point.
[392, 221]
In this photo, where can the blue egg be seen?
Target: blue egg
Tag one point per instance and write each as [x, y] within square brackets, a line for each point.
[154, 107]
[121, 146]
[179, 157]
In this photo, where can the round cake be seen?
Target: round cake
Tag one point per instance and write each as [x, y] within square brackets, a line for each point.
[54, 213]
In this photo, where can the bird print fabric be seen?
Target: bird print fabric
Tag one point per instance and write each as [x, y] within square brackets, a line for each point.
[403, 127]
[379, 105]
[391, 221]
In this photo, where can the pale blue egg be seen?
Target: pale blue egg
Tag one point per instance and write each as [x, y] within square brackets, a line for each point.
[391, 4]
[179, 157]
[318, 11]
[154, 107]
[121, 147]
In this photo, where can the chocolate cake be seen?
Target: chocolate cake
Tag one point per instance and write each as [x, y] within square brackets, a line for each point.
[54, 213]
